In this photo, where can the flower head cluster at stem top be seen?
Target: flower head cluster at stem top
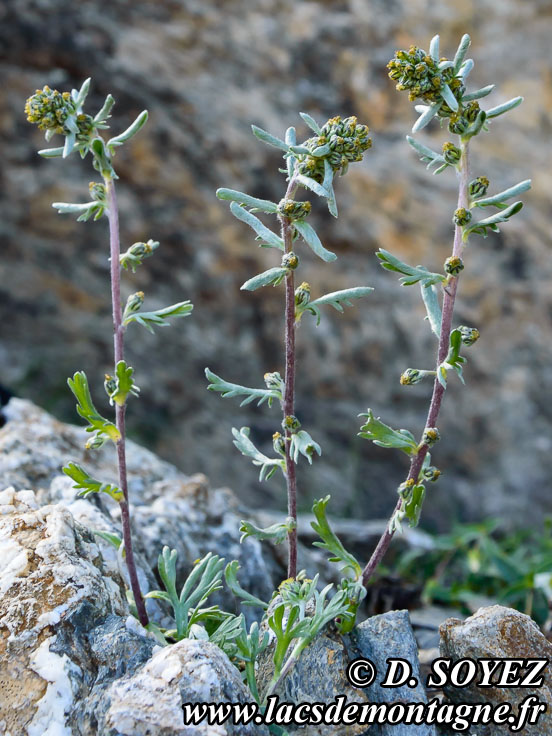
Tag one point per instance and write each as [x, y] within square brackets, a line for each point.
[340, 142]
[62, 113]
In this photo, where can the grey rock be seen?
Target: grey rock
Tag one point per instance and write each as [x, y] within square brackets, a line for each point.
[377, 639]
[150, 702]
[499, 632]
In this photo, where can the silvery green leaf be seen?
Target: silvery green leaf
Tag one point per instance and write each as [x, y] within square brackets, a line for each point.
[291, 140]
[129, 132]
[440, 169]
[465, 69]
[264, 234]
[479, 93]
[104, 113]
[273, 276]
[82, 480]
[497, 199]
[446, 64]
[160, 317]
[336, 299]
[271, 140]
[446, 93]
[301, 150]
[331, 543]
[231, 577]
[70, 140]
[311, 184]
[311, 122]
[302, 443]
[426, 117]
[83, 92]
[461, 52]
[232, 195]
[432, 158]
[494, 112]
[381, 434]
[67, 208]
[412, 274]
[480, 228]
[434, 49]
[51, 152]
[275, 533]
[433, 309]
[310, 237]
[229, 390]
[321, 151]
[268, 465]
[328, 186]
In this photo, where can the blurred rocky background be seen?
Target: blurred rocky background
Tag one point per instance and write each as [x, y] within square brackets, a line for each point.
[206, 70]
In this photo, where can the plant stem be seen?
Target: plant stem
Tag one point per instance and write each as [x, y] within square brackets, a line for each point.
[118, 341]
[288, 405]
[449, 299]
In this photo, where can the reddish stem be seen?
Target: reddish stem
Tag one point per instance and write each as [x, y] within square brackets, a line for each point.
[288, 404]
[118, 342]
[449, 299]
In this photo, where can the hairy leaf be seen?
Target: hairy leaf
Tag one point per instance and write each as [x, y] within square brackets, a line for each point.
[275, 533]
[160, 317]
[261, 205]
[246, 447]
[88, 484]
[86, 409]
[310, 237]
[263, 233]
[331, 543]
[273, 276]
[412, 274]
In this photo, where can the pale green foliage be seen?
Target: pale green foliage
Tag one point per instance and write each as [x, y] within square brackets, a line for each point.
[268, 465]
[159, 317]
[86, 409]
[228, 390]
[87, 484]
[384, 436]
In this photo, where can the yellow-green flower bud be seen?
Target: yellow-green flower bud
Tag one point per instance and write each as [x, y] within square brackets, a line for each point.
[291, 423]
[461, 216]
[110, 384]
[273, 380]
[410, 377]
[468, 335]
[302, 294]
[431, 473]
[134, 302]
[472, 111]
[454, 265]
[478, 187]
[294, 210]
[49, 109]
[97, 191]
[430, 436]
[405, 488]
[451, 153]
[95, 442]
[290, 260]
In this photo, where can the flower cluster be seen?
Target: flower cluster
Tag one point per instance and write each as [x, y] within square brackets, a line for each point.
[294, 210]
[340, 142]
[50, 109]
[416, 71]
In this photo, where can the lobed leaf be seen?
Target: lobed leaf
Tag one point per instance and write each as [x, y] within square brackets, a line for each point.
[335, 299]
[384, 436]
[273, 276]
[275, 533]
[229, 390]
[411, 274]
[231, 577]
[86, 409]
[81, 479]
[302, 443]
[331, 543]
[159, 317]
[246, 447]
